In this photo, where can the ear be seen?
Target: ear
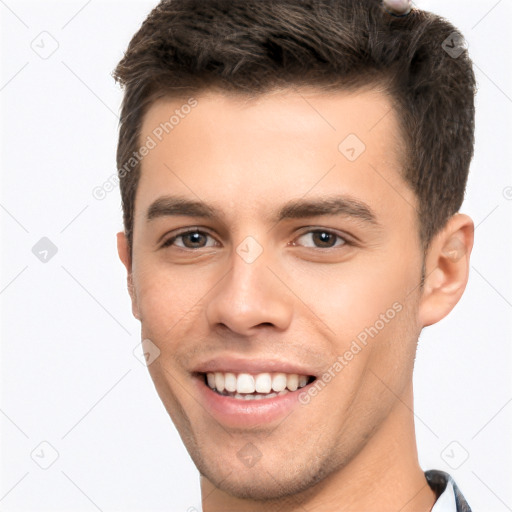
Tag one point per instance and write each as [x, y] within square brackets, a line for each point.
[446, 269]
[123, 249]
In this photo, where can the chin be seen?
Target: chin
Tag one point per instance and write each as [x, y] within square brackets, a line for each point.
[263, 488]
[265, 481]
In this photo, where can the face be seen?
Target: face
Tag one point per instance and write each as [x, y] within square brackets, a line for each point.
[276, 244]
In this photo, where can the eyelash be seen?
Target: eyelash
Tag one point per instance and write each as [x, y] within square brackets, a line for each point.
[346, 241]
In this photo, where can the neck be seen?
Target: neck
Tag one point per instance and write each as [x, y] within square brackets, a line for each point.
[384, 476]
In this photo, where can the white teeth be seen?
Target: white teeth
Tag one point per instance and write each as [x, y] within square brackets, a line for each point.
[263, 383]
[255, 397]
[279, 381]
[292, 382]
[230, 382]
[245, 383]
[219, 381]
[253, 387]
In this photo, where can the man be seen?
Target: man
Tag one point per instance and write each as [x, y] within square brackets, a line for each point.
[291, 174]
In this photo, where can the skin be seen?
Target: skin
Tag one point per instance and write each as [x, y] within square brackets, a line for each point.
[352, 447]
[399, 7]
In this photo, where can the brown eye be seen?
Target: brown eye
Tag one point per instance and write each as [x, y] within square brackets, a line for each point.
[190, 240]
[321, 239]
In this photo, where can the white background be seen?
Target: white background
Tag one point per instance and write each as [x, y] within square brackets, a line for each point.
[69, 376]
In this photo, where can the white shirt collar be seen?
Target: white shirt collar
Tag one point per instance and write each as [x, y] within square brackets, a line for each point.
[446, 502]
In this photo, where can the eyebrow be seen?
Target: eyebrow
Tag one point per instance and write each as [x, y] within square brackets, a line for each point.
[167, 206]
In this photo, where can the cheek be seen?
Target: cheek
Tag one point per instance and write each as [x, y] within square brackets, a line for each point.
[354, 296]
[165, 298]
[172, 300]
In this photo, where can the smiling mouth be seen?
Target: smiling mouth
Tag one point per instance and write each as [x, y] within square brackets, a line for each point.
[247, 386]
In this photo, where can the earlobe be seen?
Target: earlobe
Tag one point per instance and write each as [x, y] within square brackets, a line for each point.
[123, 249]
[446, 269]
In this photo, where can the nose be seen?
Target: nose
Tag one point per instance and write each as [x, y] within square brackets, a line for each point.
[250, 296]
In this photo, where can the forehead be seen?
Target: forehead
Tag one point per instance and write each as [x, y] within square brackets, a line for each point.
[237, 151]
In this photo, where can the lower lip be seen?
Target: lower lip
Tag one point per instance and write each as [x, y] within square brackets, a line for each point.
[237, 412]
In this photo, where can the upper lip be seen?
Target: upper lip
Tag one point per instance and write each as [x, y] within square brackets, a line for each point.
[253, 366]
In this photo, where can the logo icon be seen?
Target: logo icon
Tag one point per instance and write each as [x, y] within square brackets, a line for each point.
[44, 250]
[455, 455]
[44, 455]
[45, 45]
[351, 147]
[146, 352]
[249, 250]
[454, 45]
[249, 455]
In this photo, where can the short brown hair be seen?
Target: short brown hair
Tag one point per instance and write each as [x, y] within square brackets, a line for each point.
[253, 46]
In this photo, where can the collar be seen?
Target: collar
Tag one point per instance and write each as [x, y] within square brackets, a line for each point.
[449, 497]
